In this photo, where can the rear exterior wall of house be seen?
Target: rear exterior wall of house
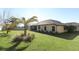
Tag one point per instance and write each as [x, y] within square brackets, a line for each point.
[50, 28]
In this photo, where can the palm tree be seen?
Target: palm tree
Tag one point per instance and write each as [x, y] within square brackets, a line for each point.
[32, 19]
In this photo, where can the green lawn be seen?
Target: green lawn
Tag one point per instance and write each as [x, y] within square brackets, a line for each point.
[42, 42]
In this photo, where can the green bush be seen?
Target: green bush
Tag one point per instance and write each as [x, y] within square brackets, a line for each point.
[26, 38]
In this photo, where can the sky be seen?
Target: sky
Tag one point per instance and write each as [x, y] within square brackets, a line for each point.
[61, 14]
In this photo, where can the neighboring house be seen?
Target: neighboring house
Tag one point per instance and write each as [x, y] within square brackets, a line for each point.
[0, 28]
[50, 26]
[20, 26]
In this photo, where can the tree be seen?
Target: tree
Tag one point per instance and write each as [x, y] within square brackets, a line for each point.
[23, 37]
[32, 19]
[6, 27]
[11, 23]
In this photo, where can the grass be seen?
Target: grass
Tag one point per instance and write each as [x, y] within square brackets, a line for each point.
[42, 42]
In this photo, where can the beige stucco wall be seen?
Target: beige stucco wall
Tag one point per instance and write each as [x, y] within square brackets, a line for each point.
[48, 28]
[60, 29]
[41, 28]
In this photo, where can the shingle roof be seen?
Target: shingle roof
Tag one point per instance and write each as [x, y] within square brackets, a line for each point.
[47, 22]
[50, 21]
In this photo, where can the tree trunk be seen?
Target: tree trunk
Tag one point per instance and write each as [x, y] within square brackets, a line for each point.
[7, 31]
[25, 29]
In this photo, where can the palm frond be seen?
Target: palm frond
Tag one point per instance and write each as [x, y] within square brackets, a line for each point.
[32, 19]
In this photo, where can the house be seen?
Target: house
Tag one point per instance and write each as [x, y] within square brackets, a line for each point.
[49, 26]
[52, 26]
[19, 26]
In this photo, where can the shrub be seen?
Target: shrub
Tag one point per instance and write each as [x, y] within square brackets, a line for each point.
[17, 39]
[26, 38]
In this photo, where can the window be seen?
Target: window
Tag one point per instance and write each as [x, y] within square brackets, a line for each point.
[53, 28]
[33, 28]
[65, 27]
[38, 27]
[45, 28]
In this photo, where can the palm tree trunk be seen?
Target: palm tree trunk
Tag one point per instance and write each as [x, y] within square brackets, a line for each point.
[7, 30]
[25, 29]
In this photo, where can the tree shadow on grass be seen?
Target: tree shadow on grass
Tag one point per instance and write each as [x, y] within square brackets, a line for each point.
[67, 36]
[23, 48]
[2, 48]
[16, 42]
[13, 47]
[3, 35]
